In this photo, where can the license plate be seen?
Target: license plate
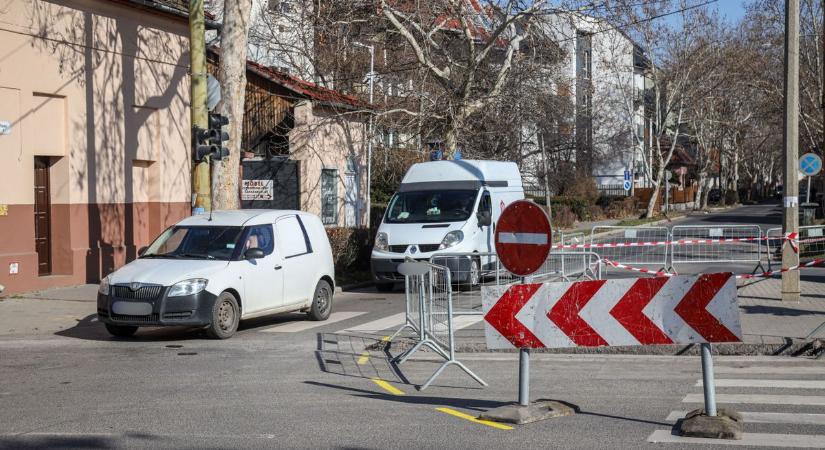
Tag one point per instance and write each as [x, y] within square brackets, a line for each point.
[132, 308]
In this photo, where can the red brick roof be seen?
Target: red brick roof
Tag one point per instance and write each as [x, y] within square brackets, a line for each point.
[305, 88]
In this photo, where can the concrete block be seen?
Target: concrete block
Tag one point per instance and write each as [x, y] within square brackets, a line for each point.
[534, 412]
[727, 424]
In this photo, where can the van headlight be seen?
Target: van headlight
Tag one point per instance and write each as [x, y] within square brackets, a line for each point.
[452, 238]
[381, 241]
[103, 289]
[187, 287]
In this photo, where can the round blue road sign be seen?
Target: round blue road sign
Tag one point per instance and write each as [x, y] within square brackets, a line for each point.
[810, 164]
[626, 185]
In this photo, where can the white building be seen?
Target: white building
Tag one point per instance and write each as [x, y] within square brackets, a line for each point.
[604, 75]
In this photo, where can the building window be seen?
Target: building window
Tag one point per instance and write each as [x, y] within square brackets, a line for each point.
[329, 196]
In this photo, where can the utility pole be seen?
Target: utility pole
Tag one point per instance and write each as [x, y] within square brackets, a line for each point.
[790, 216]
[371, 49]
[201, 186]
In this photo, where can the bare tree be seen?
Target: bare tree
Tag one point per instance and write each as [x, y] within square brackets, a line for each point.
[232, 75]
[455, 41]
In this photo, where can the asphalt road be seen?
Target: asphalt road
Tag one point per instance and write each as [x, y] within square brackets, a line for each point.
[282, 382]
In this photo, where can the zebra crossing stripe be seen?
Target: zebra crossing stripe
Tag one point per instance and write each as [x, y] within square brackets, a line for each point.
[384, 323]
[764, 399]
[303, 325]
[766, 417]
[767, 383]
[755, 439]
[783, 369]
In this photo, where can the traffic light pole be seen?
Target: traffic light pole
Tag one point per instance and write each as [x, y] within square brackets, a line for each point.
[201, 186]
[790, 216]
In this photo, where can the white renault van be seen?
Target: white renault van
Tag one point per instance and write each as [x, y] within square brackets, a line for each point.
[213, 272]
[445, 207]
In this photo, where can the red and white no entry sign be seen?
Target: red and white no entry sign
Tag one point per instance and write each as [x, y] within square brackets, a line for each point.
[523, 237]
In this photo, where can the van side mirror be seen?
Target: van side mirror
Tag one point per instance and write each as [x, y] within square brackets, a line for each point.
[485, 219]
[253, 253]
[142, 250]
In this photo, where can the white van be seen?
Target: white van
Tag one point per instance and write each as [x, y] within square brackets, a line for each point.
[214, 271]
[444, 207]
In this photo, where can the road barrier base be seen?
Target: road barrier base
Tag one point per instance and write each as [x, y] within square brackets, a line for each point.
[727, 424]
[534, 412]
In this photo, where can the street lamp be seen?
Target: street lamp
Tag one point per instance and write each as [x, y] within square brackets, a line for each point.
[371, 77]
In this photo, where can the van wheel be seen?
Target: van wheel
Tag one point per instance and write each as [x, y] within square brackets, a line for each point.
[321, 302]
[474, 274]
[385, 287]
[121, 330]
[225, 317]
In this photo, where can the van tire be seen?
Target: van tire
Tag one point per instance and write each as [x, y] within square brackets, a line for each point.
[473, 274]
[385, 287]
[121, 330]
[321, 302]
[225, 317]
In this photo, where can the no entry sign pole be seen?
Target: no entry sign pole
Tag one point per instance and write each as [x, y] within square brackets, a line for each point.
[523, 240]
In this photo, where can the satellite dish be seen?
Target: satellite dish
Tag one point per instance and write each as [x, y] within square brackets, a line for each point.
[213, 92]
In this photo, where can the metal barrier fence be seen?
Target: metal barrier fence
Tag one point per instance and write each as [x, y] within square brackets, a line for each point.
[811, 243]
[718, 244]
[470, 271]
[634, 254]
[431, 286]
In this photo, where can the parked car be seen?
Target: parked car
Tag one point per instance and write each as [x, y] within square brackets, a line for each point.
[445, 207]
[215, 271]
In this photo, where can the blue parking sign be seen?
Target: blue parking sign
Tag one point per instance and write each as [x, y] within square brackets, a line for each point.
[626, 175]
[810, 164]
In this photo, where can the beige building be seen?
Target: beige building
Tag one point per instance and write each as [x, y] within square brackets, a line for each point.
[95, 137]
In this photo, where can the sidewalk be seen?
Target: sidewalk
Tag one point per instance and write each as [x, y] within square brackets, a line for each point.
[48, 312]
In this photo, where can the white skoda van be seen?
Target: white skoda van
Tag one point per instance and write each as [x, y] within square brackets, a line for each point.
[445, 207]
[213, 272]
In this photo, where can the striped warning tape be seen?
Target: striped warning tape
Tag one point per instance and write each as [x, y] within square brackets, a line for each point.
[790, 237]
[769, 273]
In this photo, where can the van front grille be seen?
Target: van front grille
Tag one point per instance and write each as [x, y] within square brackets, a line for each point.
[424, 248]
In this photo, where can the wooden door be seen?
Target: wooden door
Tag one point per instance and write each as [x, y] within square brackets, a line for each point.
[42, 215]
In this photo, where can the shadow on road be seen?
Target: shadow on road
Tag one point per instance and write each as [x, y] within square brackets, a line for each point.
[778, 311]
[356, 356]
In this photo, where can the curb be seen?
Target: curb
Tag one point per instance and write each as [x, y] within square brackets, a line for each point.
[790, 347]
[649, 224]
[352, 286]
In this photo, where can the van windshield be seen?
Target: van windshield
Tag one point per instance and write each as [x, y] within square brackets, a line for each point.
[431, 206]
[213, 242]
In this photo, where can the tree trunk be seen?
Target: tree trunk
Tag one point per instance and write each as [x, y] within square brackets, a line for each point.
[547, 199]
[232, 75]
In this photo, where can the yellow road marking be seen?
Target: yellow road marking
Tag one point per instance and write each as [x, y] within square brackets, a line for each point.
[461, 415]
[387, 387]
[364, 357]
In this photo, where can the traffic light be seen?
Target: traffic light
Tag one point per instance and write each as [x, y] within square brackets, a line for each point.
[200, 144]
[217, 136]
[209, 142]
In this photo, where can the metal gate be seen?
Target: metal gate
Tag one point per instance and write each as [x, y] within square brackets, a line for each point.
[270, 184]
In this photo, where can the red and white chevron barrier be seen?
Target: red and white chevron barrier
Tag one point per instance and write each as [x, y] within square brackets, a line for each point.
[642, 311]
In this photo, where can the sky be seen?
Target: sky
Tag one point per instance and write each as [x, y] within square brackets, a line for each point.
[732, 9]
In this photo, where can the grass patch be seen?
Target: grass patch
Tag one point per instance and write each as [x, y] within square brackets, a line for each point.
[643, 221]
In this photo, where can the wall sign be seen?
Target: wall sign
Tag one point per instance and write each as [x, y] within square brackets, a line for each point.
[257, 190]
[14, 268]
[5, 127]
